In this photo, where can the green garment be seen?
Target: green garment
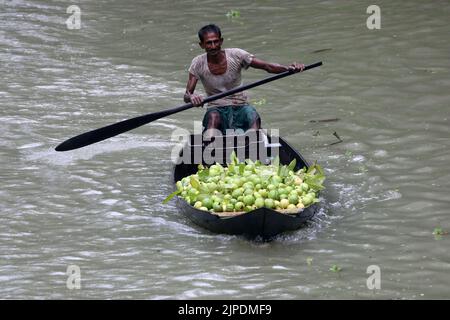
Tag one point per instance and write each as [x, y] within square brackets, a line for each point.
[233, 117]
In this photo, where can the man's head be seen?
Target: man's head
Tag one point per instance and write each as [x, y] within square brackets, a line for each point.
[210, 39]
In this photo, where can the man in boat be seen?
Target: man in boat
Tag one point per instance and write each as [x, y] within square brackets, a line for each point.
[220, 70]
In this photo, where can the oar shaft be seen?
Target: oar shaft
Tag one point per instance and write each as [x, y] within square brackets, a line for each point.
[112, 130]
[257, 83]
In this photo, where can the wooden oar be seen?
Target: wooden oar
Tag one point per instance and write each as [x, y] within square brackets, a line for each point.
[112, 130]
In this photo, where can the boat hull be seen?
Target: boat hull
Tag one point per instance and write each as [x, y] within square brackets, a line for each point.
[262, 223]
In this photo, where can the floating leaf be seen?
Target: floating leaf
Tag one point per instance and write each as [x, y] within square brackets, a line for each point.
[259, 102]
[439, 232]
[335, 268]
[233, 14]
[362, 169]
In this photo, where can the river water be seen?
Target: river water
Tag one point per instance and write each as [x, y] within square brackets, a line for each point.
[100, 207]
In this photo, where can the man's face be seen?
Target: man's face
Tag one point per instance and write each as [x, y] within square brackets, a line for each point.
[211, 43]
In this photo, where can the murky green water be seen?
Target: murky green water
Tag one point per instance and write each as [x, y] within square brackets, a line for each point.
[100, 207]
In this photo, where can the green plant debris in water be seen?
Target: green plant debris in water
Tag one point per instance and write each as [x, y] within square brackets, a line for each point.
[259, 102]
[362, 169]
[439, 232]
[233, 14]
[335, 268]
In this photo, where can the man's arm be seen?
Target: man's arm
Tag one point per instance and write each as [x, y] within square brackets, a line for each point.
[189, 95]
[275, 67]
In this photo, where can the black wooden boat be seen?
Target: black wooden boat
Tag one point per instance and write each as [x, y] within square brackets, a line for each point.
[262, 223]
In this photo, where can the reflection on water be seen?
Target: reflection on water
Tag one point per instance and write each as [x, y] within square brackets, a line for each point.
[100, 207]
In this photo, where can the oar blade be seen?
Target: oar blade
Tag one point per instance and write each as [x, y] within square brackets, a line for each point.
[104, 133]
[85, 139]
[112, 130]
